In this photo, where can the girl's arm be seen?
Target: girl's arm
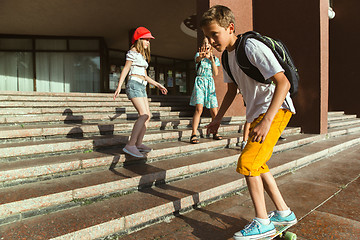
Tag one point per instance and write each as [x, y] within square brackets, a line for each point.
[123, 74]
[214, 68]
[156, 84]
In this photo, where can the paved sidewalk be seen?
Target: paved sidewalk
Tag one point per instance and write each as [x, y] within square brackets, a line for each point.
[324, 195]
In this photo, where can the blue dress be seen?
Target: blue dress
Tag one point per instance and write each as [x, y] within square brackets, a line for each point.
[204, 86]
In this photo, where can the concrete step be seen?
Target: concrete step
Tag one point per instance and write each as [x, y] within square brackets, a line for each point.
[326, 206]
[69, 94]
[81, 110]
[345, 129]
[80, 97]
[45, 131]
[86, 117]
[125, 213]
[342, 123]
[44, 98]
[332, 118]
[336, 113]
[69, 104]
[79, 143]
[52, 166]
[39, 168]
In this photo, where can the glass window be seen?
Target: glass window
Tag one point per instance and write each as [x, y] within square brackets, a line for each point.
[67, 72]
[117, 62]
[83, 44]
[15, 44]
[16, 71]
[50, 44]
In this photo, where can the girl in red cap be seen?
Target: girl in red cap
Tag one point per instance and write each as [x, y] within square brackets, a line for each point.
[137, 59]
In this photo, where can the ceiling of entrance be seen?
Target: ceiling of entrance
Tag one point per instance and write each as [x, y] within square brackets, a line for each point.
[111, 19]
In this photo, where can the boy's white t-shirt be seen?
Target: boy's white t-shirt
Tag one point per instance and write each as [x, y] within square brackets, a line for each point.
[257, 96]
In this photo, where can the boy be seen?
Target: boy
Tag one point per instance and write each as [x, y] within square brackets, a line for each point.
[266, 110]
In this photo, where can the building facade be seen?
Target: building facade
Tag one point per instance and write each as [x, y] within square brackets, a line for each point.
[80, 46]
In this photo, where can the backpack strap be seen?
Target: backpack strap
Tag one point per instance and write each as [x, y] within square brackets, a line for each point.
[243, 61]
[225, 62]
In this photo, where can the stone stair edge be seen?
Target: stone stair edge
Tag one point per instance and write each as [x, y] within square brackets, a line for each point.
[237, 185]
[99, 117]
[39, 167]
[341, 117]
[39, 112]
[344, 121]
[332, 113]
[215, 191]
[89, 117]
[9, 150]
[108, 186]
[17, 131]
[63, 104]
[16, 94]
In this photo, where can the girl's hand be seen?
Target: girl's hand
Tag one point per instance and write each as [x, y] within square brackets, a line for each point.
[117, 93]
[163, 89]
[202, 52]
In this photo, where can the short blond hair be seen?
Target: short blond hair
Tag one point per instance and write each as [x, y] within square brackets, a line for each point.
[222, 15]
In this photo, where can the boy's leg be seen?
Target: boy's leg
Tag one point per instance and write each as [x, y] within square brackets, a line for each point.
[273, 191]
[283, 214]
[256, 190]
[252, 164]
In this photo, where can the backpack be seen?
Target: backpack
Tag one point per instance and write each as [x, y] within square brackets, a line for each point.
[279, 50]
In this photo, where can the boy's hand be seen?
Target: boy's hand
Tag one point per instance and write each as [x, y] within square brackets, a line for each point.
[260, 131]
[213, 127]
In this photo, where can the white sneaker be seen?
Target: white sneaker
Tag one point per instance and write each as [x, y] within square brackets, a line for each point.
[133, 151]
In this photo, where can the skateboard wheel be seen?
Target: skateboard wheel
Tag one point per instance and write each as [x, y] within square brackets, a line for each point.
[290, 236]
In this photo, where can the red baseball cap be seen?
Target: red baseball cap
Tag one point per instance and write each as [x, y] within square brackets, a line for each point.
[141, 32]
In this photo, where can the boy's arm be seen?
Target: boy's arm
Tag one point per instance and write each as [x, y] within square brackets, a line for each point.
[227, 101]
[282, 88]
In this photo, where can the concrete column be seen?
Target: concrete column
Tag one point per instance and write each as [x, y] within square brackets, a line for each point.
[344, 54]
[304, 27]
[243, 15]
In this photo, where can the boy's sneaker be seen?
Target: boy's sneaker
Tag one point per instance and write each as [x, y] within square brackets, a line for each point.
[255, 230]
[277, 219]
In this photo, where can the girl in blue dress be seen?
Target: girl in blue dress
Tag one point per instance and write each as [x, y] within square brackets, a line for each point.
[204, 88]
